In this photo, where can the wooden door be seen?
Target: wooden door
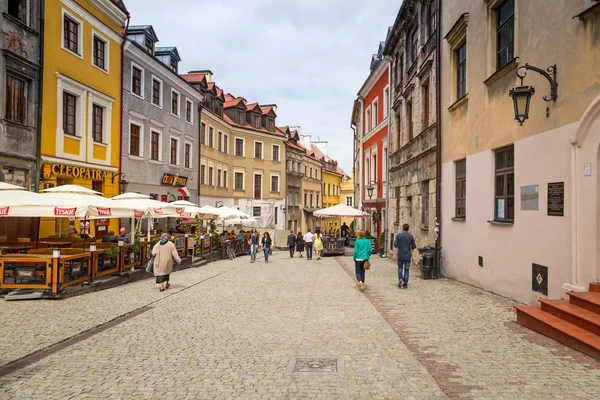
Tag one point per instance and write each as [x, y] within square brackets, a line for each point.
[257, 187]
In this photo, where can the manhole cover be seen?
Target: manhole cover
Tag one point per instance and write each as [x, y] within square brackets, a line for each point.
[316, 365]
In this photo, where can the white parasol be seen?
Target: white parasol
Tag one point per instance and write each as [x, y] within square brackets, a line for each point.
[339, 210]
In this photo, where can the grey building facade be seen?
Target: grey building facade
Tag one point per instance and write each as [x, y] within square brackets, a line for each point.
[160, 148]
[20, 71]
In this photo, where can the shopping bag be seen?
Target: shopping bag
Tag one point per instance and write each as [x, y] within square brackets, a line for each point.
[150, 266]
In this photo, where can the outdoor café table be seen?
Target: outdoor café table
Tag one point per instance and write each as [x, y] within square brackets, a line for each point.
[15, 249]
[57, 243]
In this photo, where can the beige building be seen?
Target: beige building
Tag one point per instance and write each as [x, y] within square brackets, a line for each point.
[242, 154]
[520, 204]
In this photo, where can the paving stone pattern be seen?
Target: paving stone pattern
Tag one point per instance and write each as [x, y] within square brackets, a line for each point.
[230, 329]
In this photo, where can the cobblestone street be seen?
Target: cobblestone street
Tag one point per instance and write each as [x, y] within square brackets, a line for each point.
[235, 330]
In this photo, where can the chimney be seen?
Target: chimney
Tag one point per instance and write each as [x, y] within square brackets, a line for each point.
[306, 141]
[207, 73]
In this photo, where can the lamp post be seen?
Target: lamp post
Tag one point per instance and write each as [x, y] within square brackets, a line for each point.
[370, 190]
[521, 95]
[122, 182]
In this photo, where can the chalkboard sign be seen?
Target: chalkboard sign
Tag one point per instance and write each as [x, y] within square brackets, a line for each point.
[179, 242]
[556, 199]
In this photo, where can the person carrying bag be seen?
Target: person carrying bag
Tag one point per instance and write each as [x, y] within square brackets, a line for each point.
[362, 255]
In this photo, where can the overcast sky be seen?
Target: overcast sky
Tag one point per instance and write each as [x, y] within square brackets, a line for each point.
[310, 57]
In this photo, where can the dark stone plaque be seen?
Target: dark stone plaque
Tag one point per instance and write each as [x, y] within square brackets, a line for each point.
[539, 279]
[556, 199]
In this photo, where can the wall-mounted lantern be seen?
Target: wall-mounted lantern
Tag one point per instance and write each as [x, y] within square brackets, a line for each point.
[522, 95]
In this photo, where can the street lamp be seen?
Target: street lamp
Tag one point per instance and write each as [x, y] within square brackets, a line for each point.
[522, 95]
[371, 188]
[122, 182]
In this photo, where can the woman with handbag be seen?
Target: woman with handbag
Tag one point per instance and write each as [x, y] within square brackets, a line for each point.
[318, 243]
[362, 255]
[266, 244]
[164, 253]
[300, 244]
[253, 242]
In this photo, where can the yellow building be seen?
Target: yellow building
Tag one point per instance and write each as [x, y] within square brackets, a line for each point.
[81, 108]
[347, 197]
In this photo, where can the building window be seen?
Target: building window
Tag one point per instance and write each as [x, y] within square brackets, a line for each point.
[349, 201]
[400, 69]
[210, 176]
[97, 186]
[16, 99]
[425, 211]
[220, 141]
[225, 183]
[305, 200]
[98, 116]
[211, 143]
[257, 121]
[188, 111]
[414, 42]
[99, 53]
[149, 45]
[368, 120]
[218, 177]
[274, 184]
[505, 185]
[20, 10]
[505, 33]
[71, 35]
[461, 71]
[258, 150]
[241, 118]
[134, 140]
[203, 133]
[69, 114]
[173, 64]
[271, 125]
[311, 200]
[187, 154]
[238, 181]
[175, 103]
[155, 146]
[375, 113]
[174, 151]
[156, 92]
[136, 81]
[409, 120]
[202, 174]
[225, 143]
[257, 186]
[275, 152]
[432, 14]
[461, 189]
[256, 211]
[239, 147]
[426, 105]
[386, 102]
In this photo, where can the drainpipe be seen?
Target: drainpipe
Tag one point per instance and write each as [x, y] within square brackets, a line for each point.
[122, 104]
[386, 226]
[353, 161]
[438, 153]
[39, 110]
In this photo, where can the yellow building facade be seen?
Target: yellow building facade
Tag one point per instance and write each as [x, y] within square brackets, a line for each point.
[81, 108]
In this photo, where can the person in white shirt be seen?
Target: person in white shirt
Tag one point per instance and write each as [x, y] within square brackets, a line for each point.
[308, 243]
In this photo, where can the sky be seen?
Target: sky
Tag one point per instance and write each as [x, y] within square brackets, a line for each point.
[310, 57]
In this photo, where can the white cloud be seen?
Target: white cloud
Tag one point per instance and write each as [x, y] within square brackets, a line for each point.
[310, 57]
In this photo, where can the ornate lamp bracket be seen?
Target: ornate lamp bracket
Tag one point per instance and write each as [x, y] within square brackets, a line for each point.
[549, 74]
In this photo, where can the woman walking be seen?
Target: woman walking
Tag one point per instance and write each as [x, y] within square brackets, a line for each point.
[164, 253]
[318, 243]
[362, 253]
[266, 244]
[254, 241]
[300, 244]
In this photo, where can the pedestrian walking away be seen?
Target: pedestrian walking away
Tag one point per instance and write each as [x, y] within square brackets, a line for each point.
[405, 243]
[318, 243]
[253, 242]
[362, 254]
[292, 243]
[266, 244]
[300, 244]
[164, 253]
[345, 230]
[308, 243]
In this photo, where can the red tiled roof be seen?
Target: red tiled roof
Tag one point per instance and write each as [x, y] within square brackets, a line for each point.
[194, 77]
[253, 106]
[229, 97]
[211, 85]
[232, 102]
[220, 92]
[267, 109]
[277, 132]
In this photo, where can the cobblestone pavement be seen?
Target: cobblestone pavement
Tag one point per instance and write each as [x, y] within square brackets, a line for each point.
[232, 329]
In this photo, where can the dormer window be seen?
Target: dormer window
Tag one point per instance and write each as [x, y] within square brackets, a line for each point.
[149, 45]
[256, 122]
[241, 118]
[173, 64]
[271, 125]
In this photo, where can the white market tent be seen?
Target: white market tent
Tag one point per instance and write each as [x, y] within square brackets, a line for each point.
[339, 210]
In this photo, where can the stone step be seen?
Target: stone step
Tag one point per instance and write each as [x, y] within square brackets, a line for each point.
[534, 318]
[595, 287]
[588, 300]
[576, 315]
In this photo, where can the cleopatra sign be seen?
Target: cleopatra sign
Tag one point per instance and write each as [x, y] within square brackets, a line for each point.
[174, 180]
[50, 170]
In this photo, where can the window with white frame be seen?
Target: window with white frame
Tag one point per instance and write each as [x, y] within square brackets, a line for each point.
[98, 123]
[256, 211]
[202, 133]
[386, 101]
[225, 182]
[100, 51]
[275, 152]
[157, 91]
[225, 143]
[211, 139]
[218, 177]
[187, 155]
[258, 150]
[70, 114]
[202, 174]
[210, 176]
[189, 111]
[72, 29]
[238, 183]
[349, 201]
[174, 151]
[239, 147]
[368, 120]
[375, 111]
[175, 102]
[155, 145]
[135, 137]
[137, 80]
[220, 141]
[274, 183]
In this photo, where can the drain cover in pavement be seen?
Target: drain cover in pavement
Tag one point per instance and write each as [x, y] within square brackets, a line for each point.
[316, 366]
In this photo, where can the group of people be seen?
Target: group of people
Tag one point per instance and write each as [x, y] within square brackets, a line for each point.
[255, 241]
[404, 242]
[307, 242]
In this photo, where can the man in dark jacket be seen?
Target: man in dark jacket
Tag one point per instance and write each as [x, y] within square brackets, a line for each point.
[405, 242]
[110, 238]
[292, 243]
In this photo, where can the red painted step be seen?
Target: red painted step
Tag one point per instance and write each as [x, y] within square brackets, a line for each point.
[588, 300]
[581, 317]
[534, 318]
[595, 287]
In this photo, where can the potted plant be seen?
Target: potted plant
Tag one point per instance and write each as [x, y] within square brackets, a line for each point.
[111, 254]
[382, 244]
[136, 247]
[370, 238]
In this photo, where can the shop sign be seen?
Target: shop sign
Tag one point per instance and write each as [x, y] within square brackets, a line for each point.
[104, 212]
[185, 214]
[158, 210]
[65, 212]
[174, 180]
[138, 214]
[4, 210]
[50, 170]
[179, 210]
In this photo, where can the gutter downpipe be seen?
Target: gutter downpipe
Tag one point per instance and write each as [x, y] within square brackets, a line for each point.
[386, 226]
[361, 154]
[438, 154]
[38, 166]
[353, 160]
[132, 233]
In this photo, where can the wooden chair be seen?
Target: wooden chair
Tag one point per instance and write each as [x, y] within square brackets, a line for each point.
[23, 240]
[3, 238]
